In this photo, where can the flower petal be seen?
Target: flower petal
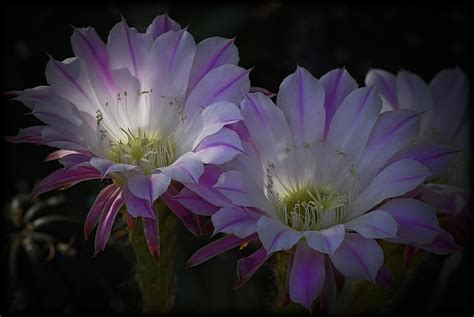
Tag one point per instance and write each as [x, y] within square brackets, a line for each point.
[195, 203]
[412, 92]
[261, 114]
[161, 25]
[247, 266]
[137, 207]
[220, 147]
[27, 135]
[301, 98]
[69, 80]
[337, 83]
[358, 257]
[353, 121]
[80, 157]
[29, 97]
[60, 113]
[205, 187]
[395, 180]
[211, 53]
[417, 222]
[215, 117]
[189, 219]
[172, 57]
[149, 187]
[118, 103]
[61, 138]
[97, 208]
[65, 177]
[240, 222]
[436, 157]
[129, 49]
[386, 84]
[376, 224]
[152, 235]
[450, 88]
[242, 190]
[393, 131]
[88, 45]
[224, 83]
[248, 164]
[240, 128]
[444, 243]
[306, 276]
[217, 247]
[445, 199]
[187, 169]
[385, 277]
[56, 155]
[211, 175]
[327, 240]
[262, 90]
[106, 221]
[328, 295]
[107, 167]
[275, 236]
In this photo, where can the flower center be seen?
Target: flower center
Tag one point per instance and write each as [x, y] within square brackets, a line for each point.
[146, 150]
[310, 207]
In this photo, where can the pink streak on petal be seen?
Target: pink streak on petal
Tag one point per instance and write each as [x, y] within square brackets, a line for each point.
[66, 177]
[217, 247]
[152, 236]
[104, 198]
[246, 267]
[56, 155]
[106, 221]
[189, 219]
[28, 135]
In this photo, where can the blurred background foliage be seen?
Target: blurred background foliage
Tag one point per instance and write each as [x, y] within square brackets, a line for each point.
[274, 36]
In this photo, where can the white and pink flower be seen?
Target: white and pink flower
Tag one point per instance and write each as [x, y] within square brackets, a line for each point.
[146, 110]
[445, 129]
[318, 181]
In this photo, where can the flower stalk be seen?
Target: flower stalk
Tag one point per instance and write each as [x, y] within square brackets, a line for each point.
[156, 277]
[280, 269]
[283, 304]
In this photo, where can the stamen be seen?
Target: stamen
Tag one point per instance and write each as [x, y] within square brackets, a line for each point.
[312, 207]
[133, 138]
[142, 149]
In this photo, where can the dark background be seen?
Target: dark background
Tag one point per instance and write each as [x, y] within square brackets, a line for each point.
[274, 37]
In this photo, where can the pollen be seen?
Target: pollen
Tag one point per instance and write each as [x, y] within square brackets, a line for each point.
[243, 245]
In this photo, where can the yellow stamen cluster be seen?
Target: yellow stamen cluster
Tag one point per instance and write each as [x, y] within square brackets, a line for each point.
[306, 208]
[143, 149]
